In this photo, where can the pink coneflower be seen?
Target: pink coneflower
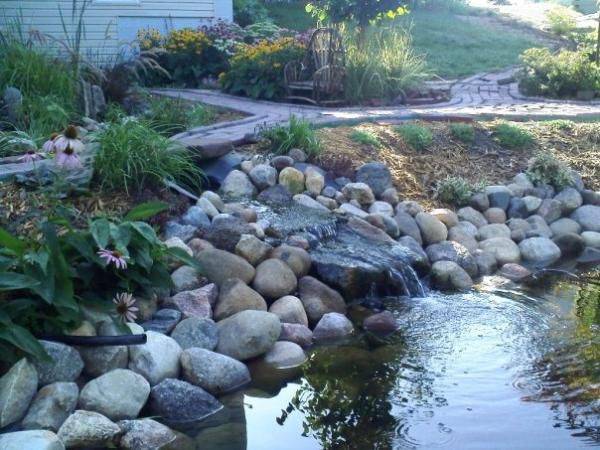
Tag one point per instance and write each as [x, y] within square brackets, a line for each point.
[30, 156]
[68, 159]
[48, 146]
[69, 139]
[113, 257]
[124, 305]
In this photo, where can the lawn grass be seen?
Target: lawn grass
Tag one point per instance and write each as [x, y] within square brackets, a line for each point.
[290, 15]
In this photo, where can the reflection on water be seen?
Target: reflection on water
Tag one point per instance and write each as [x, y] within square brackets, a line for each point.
[504, 370]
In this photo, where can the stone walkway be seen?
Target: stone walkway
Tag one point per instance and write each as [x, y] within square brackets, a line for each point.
[482, 96]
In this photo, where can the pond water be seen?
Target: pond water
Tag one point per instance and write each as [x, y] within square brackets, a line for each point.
[493, 369]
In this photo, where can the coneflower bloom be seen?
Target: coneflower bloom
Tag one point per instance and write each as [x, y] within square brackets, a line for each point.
[30, 156]
[48, 146]
[113, 257]
[69, 139]
[68, 159]
[124, 306]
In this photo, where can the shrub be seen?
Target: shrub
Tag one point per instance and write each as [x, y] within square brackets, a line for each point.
[133, 156]
[246, 12]
[462, 131]
[365, 138]
[417, 136]
[456, 191]
[562, 20]
[512, 136]
[170, 116]
[545, 168]
[299, 133]
[257, 70]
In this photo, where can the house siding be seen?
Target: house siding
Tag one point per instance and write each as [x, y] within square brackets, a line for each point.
[111, 24]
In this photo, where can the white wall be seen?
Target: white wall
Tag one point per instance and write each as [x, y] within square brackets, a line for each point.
[110, 24]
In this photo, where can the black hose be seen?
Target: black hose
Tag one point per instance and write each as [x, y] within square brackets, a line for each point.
[99, 341]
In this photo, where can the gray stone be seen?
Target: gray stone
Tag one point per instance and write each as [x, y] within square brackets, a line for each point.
[486, 262]
[177, 401]
[381, 324]
[350, 209]
[196, 217]
[409, 207]
[514, 272]
[455, 252]
[276, 195]
[157, 359]
[576, 180]
[588, 216]
[214, 372]
[252, 249]
[145, 434]
[589, 256]
[499, 196]
[495, 215]
[327, 202]
[66, 364]
[305, 200]
[226, 231]
[197, 245]
[518, 208]
[292, 179]
[296, 258]
[516, 189]
[504, 250]
[186, 278]
[468, 228]
[473, 216]
[331, 327]
[248, 334]
[538, 227]
[570, 199]
[299, 334]
[274, 279]
[539, 251]
[163, 321]
[263, 176]
[550, 210]
[564, 226]
[519, 224]
[368, 231]
[494, 230]
[591, 238]
[236, 296]
[329, 192]
[88, 429]
[214, 198]
[391, 196]
[361, 192]
[237, 185]
[297, 155]
[570, 244]
[196, 332]
[479, 201]
[319, 299]
[432, 229]
[209, 209]
[195, 303]
[532, 203]
[17, 388]
[383, 208]
[183, 232]
[289, 309]
[457, 234]
[446, 216]
[51, 406]
[281, 162]
[590, 197]
[285, 355]
[449, 275]
[416, 257]
[119, 394]
[376, 175]
[523, 180]
[218, 266]
[31, 440]
[99, 360]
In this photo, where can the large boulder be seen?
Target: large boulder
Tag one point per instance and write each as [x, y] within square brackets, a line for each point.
[145, 434]
[237, 185]
[292, 179]
[504, 250]
[51, 406]
[214, 372]
[319, 299]
[248, 334]
[31, 440]
[376, 175]
[88, 429]
[455, 252]
[289, 309]
[331, 327]
[539, 251]
[296, 258]
[218, 266]
[157, 359]
[274, 279]
[285, 355]
[361, 192]
[588, 216]
[432, 229]
[65, 365]
[236, 296]
[17, 388]
[449, 275]
[119, 394]
[196, 332]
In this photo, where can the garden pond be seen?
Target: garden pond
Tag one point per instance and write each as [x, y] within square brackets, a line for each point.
[491, 369]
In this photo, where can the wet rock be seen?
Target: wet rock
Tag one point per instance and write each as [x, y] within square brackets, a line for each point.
[252, 249]
[408, 226]
[473, 216]
[570, 199]
[281, 162]
[31, 440]
[226, 231]
[368, 231]
[144, 434]
[66, 364]
[504, 250]
[208, 207]
[564, 226]
[186, 278]
[196, 217]
[305, 200]
[381, 324]
[376, 175]
[409, 207]
[163, 321]
[276, 195]
[486, 262]
[570, 244]
[432, 229]
[550, 210]
[88, 429]
[177, 401]
[391, 196]
[274, 279]
[514, 272]
[196, 332]
[495, 215]
[51, 406]
[479, 201]
[538, 227]
[289, 309]
[263, 176]
[236, 296]
[315, 182]
[195, 303]
[17, 388]
[214, 372]
[499, 196]
[350, 209]
[518, 208]
[285, 355]
[539, 251]
[446, 216]
[299, 334]
[494, 230]
[589, 256]
[361, 192]
[292, 179]
[588, 216]
[591, 239]
[119, 394]
[248, 334]
[455, 252]
[319, 299]
[237, 185]
[218, 266]
[332, 327]
[457, 234]
[532, 203]
[157, 359]
[449, 275]
[416, 256]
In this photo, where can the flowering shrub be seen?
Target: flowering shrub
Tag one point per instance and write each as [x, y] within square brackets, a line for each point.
[257, 70]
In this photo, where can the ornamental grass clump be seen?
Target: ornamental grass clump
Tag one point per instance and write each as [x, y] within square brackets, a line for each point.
[463, 132]
[132, 156]
[299, 133]
[366, 138]
[512, 136]
[417, 136]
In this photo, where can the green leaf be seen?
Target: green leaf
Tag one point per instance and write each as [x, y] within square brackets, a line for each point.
[145, 231]
[10, 281]
[184, 257]
[121, 236]
[11, 242]
[146, 210]
[24, 340]
[100, 230]
[40, 258]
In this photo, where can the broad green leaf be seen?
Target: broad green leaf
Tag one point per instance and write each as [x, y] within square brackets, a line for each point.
[146, 210]
[12, 243]
[24, 340]
[40, 258]
[184, 257]
[100, 230]
[10, 281]
[63, 287]
[146, 231]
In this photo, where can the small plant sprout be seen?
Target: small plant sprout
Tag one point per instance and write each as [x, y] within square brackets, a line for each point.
[124, 306]
[113, 257]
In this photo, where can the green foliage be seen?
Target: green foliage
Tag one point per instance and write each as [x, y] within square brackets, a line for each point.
[299, 133]
[14, 143]
[246, 12]
[463, 132]
[365, 138]
[545, 168]
[456, 191]
[45, 282]
[134, 156]
[560, 124]
[291, 15]
[566, 74]
[417, 136]
[170, 116]
[360, 12]
[562, 20]
[384, 66]
[512, 136]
